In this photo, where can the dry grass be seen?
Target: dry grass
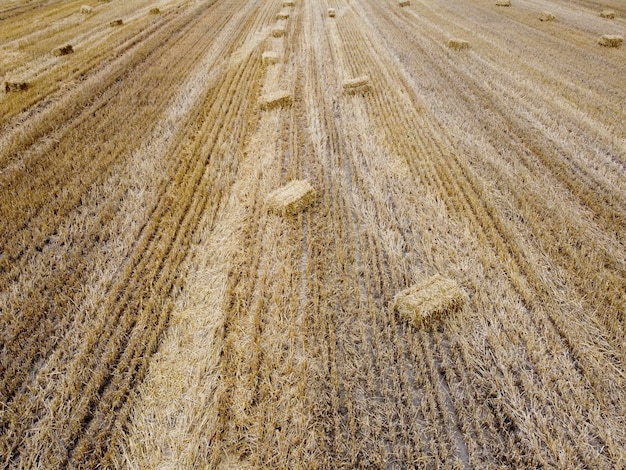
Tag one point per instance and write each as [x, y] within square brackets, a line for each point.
[278, 31]
[610, 14]
[357, 85]
[331, 12]
[292, 198]
[61, 51]
[270, 58]
[546, 16]
[276, 99]
[610, 40]
[458, 44]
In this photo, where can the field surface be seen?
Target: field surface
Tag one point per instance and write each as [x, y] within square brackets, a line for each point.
[155, 314]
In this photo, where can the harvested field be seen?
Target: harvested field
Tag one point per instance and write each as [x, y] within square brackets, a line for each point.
[157, 310]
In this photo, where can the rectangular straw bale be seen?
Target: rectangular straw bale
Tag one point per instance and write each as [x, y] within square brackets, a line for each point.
[546, 16]
[503, 3]
[11, 87]
[428, 300]
[607, 14]
[277, 99]
[291, 198]
[278, 32]
[611, 40]
[356, 85]
[118, 22]
[458, 44]
[404, 3]
[86, 9]
[65, 50]
[282, 15]
[154, 11]
[288, 3]
[331, 12]
[269, 58]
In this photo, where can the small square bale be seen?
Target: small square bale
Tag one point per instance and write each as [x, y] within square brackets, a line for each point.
[288, 3]
[154, 11]
[331, 12]
[282, 15]
[291, 198]
[610, 14]
[278, 32]
[458, 44]
[546, 16]
[270, 58]
[503, 3]
[277, 99]
[65, 50]
[428, 300]
[118, 22]
[611, 40]
[404, 3]
[357, 85]
[12, 87]
[86, 9]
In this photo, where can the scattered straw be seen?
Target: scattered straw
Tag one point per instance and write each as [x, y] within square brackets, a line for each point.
[86, 9]
[291, 198]
[331, 12]
[458, 44]
[154, 11]
[118, 22]
[611, 40]
[503, 3]
[10, 87]
[607, 14]
[404, 3]
[546, 16]
[428, 300]
[277, 99]
[270, 57]
[65, 50]
[357, 85]
[278, 32]
[282, 15]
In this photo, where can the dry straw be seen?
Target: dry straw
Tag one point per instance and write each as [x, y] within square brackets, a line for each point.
[428, 300]
[607, 14]
[546, 16]
[118, 22]
[291, 198]
[282, 15]
[611, 40]
[65, 50]
[277, 99]
[503, 3]
[278, 32]
[86, 9]
[270, 58]
[154, 11]
[331, 12]
[404, 3]
[357, 85]
[458, 44]
[10, 87]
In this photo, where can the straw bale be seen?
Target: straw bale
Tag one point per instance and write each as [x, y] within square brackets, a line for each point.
[503, 3]
[291, 198]
[86, 9]
[154, 11]
[611, 40]
[331, 12]
[270, 57]
[278, 31]
[277, 99]
[282, 15]
[288, 3]
[404, 3]
[357, 85]
[546, 16]
[458, 44]
[607, 14]
[65, 50]
[10, 87]
[118, 22]
[428, 300]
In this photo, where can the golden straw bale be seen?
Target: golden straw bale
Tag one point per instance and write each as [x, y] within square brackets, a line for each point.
[546, 16]
[278, 32]
[86, 9]
[458, 44]
[277, 99]
[404, 3]
[288, 3]
[65, 50]
[611, 40]
[607, 14]
[357, 85]
[331, 12]
[291, 198]
[503, 3]
[269, 58]
[10, 87]
[428, 300]
[154, 11]
[118, 22]
[282, 15]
